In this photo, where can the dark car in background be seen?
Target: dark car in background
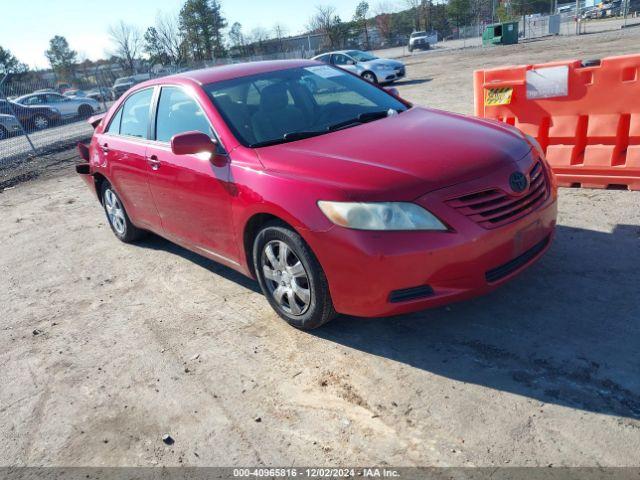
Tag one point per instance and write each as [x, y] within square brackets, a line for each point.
[32, 118]
[123, 84]
[8, 126]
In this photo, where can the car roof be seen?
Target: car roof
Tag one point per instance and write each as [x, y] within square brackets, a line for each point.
[226, 72]
[337, 51]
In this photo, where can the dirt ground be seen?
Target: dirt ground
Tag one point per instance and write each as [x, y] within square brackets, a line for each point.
[106, 347]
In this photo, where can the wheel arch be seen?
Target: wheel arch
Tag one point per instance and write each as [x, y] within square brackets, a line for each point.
[99, 180]
[371, 72]
[251, 229]
[86, 107]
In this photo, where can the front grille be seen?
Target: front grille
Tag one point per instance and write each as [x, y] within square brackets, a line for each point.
[494, 208]
[513, 265]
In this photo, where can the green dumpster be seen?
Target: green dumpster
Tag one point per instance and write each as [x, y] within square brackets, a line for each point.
[500, 34]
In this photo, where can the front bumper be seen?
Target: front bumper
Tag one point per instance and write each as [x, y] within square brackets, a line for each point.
[12, 127]
[422, 44]
[390, 74]
[373, 274]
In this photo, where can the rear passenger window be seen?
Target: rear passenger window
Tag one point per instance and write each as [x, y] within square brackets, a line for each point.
[179, 113]
[135, 114]
[114, 126]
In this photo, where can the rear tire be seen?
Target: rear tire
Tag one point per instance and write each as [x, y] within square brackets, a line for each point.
[3, 133]
[117, 216]
[40, 122]
[291, 277]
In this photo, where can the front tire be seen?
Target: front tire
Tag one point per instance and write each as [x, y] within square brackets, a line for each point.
[291, 277]
[117, 216]
[85, 111]
[370, 77]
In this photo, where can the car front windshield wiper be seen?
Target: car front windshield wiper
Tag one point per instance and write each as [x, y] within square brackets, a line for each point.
[289, 137]
[362, 118]
[293, 136]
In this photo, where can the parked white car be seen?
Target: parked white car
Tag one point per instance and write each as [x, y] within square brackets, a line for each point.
[368, 66]
[422, 40]
[68, 106]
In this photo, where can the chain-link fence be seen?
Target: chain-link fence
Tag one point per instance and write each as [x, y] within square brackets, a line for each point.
[41, 112]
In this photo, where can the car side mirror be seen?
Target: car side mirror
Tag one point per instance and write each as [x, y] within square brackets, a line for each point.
[393, 91]
[189, 143]
[351, 62]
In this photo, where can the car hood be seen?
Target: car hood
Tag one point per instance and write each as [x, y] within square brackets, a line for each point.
[400, 157]
[382, 62]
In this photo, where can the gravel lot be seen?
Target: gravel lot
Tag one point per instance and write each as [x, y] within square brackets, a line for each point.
[106, 347]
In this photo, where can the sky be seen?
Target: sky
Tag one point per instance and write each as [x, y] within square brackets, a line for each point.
[27, 26]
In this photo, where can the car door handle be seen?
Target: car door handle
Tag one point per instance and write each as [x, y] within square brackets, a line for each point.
[105, 147]
[153, 162]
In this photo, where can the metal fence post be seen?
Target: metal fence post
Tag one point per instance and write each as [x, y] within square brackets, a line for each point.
[24, 131]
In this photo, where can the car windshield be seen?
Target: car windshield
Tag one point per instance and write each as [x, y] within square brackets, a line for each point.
[359, 56]
[418, 34]
[287, 105]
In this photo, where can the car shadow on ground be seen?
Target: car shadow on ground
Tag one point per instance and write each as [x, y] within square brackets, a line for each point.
[564, 332]
[415, 81]
[156, 242]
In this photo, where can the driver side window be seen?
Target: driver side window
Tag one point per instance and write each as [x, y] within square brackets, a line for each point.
[179, 113]
[35, 100]
[340, 59]
[54, 98]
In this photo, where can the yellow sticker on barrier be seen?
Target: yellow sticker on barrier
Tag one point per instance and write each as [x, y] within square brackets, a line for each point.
[497, 96]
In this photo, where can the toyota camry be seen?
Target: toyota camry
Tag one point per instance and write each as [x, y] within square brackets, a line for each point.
[337, 195]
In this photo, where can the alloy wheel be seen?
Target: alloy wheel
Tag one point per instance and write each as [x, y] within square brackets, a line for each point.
[115, 212]
[286, 278]
[369, 77]
[40, 122]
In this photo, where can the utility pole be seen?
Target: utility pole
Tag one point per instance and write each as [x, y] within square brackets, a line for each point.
[577, 17]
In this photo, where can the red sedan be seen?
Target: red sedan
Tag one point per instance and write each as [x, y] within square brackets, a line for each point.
[334, 193]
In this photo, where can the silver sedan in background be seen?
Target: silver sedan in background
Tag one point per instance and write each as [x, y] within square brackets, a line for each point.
[368, 66]
[82, 107]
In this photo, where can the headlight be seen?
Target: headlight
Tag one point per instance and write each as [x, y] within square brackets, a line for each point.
[535, 144]
[380, 216]
[55, 110]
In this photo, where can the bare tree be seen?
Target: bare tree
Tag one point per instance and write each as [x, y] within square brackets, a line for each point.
[326, 21]
[279, 32]
[237, 38]
[127, 40]
[384, 6]
[170, 37]
[257, 37]
[416, 6]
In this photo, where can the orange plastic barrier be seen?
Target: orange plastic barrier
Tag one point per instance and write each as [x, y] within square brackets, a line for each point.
[586, 115]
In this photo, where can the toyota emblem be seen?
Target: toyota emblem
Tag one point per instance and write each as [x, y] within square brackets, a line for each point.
[518, 182]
